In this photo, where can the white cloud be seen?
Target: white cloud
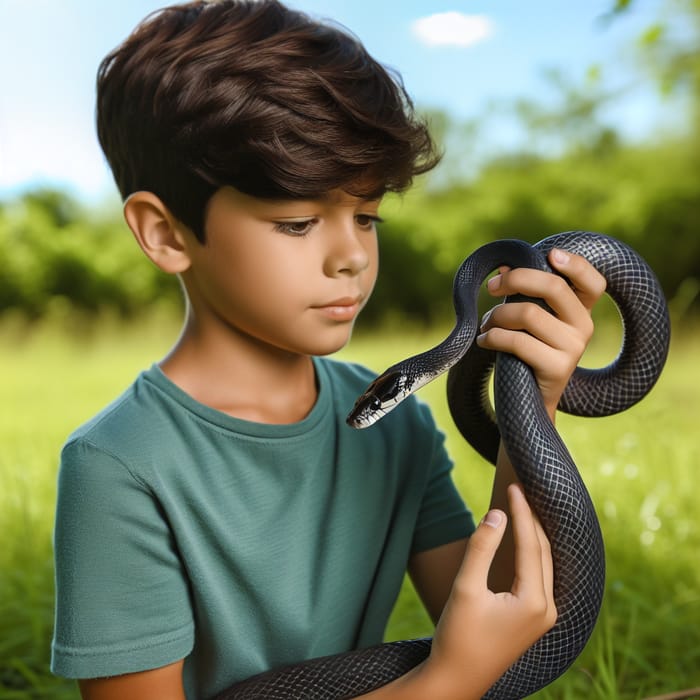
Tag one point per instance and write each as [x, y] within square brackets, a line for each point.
[452, 29]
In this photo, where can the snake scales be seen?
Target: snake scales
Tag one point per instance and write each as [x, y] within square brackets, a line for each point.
[541, 460]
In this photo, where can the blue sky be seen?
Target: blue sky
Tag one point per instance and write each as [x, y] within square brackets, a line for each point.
[486, 50]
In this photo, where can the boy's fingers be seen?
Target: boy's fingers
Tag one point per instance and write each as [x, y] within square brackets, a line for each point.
[519, 316]
[555, 290]
[581, 285]
[588, 283]
[482, 547]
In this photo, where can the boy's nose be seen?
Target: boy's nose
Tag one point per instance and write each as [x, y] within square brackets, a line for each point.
[347, 254]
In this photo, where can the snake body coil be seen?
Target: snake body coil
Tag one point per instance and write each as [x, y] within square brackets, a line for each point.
[543, 464]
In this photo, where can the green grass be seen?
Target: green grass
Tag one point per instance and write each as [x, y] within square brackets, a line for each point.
[641, 468]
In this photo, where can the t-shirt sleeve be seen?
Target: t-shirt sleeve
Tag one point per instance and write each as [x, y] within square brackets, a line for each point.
[443, 517]
[122, 599]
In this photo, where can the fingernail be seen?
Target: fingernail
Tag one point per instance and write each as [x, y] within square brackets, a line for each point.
[493, 518]
[485, 318]
[519, 490]
[560, 256]
[494, 283]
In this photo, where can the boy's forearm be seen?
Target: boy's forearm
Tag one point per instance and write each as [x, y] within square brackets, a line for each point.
[502, 570]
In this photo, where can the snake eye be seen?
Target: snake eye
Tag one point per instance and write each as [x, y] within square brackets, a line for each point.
[381, 396]
[388, 387]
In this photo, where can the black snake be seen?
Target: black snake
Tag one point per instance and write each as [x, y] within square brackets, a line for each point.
[540, 458]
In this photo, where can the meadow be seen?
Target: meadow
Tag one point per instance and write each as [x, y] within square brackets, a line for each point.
[640, 467]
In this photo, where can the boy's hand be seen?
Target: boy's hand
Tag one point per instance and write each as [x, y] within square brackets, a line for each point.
[481, 633]
[551, 344]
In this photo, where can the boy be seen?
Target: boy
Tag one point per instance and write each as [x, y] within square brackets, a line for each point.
[219, 518]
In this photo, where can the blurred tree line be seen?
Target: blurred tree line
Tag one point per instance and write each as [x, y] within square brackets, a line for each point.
[56, 254]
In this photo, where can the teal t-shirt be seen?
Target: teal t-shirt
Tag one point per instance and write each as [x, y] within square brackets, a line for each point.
[182, 532]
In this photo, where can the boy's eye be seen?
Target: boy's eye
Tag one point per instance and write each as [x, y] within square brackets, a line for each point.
[367, 221]
[295, 228]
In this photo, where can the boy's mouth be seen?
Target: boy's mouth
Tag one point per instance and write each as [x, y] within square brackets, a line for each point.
[342, 309]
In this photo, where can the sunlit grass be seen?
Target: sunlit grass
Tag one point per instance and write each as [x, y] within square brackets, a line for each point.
[641, 468]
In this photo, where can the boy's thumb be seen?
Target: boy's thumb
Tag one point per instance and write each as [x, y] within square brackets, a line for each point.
[483, 545]
[493, 519]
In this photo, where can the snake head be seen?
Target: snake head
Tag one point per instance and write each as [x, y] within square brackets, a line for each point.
[382, 395]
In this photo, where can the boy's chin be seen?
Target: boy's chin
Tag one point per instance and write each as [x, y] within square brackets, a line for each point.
[335, 344]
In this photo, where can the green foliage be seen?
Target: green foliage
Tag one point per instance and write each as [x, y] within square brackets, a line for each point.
[56, 254]
[646, 196]
[669, 49]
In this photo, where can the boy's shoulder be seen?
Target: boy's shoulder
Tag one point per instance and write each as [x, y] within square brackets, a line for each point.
[125, 421]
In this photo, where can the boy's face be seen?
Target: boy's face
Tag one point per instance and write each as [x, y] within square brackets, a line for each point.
[292, 274]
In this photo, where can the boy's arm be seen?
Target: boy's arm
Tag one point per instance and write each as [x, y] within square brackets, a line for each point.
[163, 683]
[481, 633]
[552, 345]
[433, 573]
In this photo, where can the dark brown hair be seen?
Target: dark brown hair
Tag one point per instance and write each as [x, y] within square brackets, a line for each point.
[257, 96]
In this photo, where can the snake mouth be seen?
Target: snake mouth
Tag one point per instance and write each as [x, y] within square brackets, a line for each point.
[366, 411]
[384, 394]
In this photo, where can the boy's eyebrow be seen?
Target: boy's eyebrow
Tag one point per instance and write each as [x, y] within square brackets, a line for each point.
[338, 195]
[327, 198]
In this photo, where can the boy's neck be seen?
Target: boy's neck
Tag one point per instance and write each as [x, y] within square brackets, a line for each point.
[241, 376]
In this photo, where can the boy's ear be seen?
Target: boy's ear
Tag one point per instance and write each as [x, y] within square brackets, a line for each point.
[157, 231]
